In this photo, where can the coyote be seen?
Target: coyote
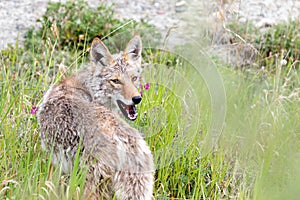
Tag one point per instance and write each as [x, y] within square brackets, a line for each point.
[77, 113]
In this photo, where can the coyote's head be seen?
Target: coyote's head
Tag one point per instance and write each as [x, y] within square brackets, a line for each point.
[115, 78]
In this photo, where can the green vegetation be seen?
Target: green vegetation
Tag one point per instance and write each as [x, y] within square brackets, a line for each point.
[281, 42]
[61, 25]
[257, 155]
[73, 25]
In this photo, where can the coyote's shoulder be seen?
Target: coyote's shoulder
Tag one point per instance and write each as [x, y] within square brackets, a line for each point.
[78, 111]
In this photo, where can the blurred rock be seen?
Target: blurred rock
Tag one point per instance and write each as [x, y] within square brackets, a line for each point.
[265, 22]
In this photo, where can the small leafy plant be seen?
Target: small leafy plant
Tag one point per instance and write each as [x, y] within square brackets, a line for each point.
[283, 41]
[280, 43]
[73, 24]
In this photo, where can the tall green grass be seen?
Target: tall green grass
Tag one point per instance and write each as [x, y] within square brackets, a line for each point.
[257, 154]
[263, 131]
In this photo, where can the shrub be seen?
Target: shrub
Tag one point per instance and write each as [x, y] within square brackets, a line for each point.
[74, 24]
[283, 41]
[273, 44]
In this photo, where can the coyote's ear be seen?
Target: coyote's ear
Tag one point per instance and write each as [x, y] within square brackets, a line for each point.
[133, 49]
[99, 53]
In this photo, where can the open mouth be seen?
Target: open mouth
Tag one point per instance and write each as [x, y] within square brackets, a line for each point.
[129, 111]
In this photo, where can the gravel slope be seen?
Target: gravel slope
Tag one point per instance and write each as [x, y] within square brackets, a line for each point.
[17, 16]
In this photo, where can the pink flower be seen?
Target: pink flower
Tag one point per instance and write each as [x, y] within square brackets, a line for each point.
[142, 87]
[33, 110]
[147, 86]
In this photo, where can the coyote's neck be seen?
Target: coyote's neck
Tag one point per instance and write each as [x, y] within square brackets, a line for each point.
[75, 88]
[96, 87]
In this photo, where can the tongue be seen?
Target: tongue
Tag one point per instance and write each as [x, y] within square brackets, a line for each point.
[131, 111]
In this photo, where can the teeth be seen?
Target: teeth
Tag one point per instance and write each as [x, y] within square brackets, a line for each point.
[130, 116]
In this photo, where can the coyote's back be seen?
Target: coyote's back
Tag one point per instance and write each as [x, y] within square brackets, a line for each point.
[78, 112]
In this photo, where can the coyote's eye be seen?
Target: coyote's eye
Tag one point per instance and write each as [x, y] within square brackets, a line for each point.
[134, 78]
[116, 81]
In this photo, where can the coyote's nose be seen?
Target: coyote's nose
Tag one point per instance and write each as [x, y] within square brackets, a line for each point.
[136, 99]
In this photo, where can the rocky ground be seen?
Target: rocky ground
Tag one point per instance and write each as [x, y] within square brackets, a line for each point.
[185, 18]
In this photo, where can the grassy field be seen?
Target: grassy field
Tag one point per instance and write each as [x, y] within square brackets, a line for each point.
[254, 114]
